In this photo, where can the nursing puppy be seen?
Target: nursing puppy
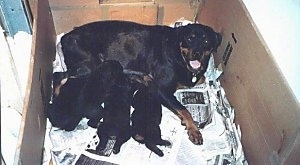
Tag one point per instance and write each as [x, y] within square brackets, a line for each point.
[173, 56]
[116, 113]
[146, 119]
[116, 119]
[82, 97]
[61, 112]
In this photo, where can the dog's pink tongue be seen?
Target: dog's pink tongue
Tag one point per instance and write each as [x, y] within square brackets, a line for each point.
[195, 64]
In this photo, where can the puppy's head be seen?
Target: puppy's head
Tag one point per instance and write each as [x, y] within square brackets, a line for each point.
[110, 72]
[197, 42]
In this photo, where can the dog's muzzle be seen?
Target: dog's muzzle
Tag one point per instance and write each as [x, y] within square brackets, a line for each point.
[195, 64]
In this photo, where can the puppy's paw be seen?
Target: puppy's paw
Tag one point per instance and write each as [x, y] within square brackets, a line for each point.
[167, 143]
[152, 147]
[164, 143]
[195, 136]
[159, 153]
[116, 150]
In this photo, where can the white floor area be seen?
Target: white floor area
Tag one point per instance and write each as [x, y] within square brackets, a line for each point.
[14, 66]
[10, 122]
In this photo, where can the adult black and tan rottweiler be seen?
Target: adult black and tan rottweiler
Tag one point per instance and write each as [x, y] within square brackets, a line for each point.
[146, 119]
[173, 56]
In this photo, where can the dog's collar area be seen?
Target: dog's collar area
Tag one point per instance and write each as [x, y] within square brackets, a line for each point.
[194, 78]
[194, 74]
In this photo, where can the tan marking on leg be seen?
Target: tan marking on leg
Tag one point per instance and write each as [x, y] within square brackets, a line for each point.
[57, 88]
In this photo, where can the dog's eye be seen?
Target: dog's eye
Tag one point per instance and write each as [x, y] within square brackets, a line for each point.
[191, 38]
[205, 39]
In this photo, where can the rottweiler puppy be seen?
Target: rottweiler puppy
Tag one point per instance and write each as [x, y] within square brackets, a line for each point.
[173, 56]
[116, 119]
[146, 119]
[82, 96]
[61, 111]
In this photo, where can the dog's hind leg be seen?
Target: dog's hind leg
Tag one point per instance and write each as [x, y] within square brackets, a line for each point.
[121, 139]
[101, 132]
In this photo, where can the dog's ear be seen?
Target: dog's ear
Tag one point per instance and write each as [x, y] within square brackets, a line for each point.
[218, 39]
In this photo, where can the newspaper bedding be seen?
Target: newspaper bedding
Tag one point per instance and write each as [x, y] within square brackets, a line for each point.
[210, 109]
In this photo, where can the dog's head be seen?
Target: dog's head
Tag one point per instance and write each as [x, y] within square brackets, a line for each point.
[109, 73]
[197, 42]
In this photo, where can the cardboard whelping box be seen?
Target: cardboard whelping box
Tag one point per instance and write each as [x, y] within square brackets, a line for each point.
[266, 109]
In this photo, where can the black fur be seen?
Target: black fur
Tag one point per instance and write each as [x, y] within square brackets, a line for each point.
[116, 120]
[61, 112]
[83, 96]
[171, 55]
[146, 119]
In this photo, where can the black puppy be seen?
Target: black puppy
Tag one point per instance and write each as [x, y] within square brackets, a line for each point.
[116, 114]
[172, 55]
[61, 111]
[146, 119]
[116, 119]
[82, 97]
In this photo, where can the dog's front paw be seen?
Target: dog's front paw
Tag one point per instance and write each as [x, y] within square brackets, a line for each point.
[195, 136]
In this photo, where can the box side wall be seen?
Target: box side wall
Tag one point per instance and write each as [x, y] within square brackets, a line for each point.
[265, 107]
[291, 155]
[68, 15]
[38, 91]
